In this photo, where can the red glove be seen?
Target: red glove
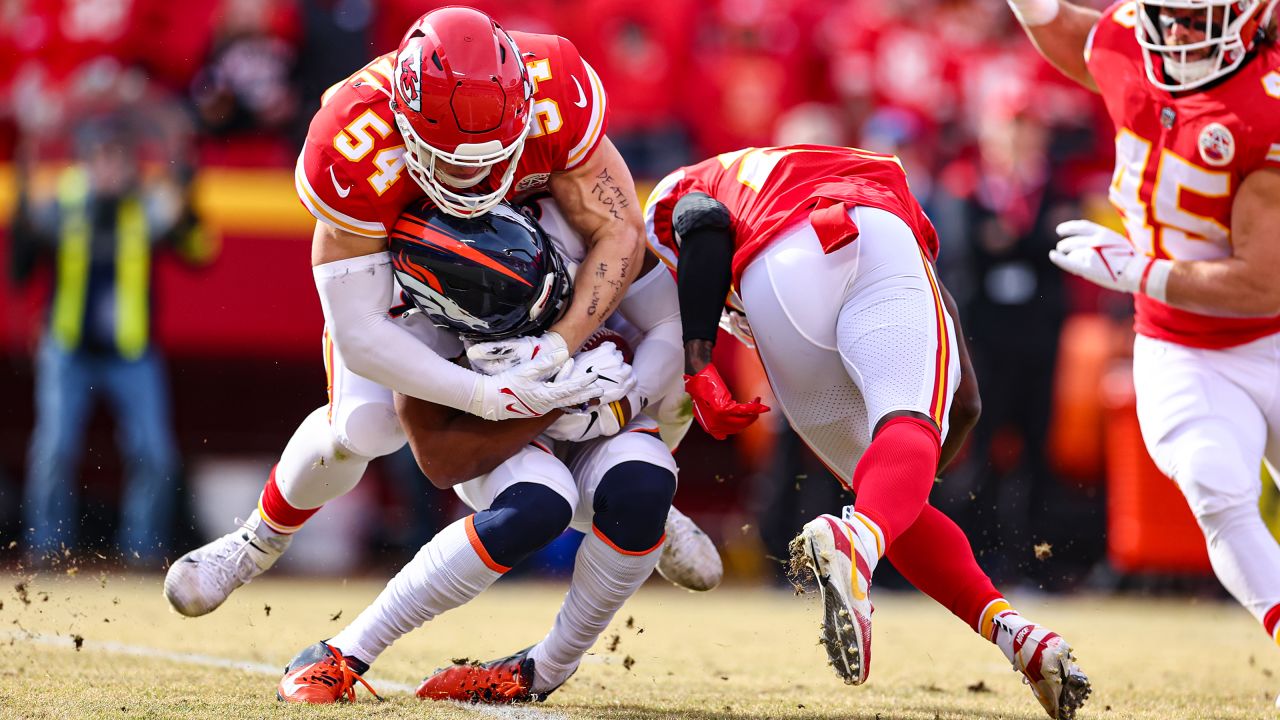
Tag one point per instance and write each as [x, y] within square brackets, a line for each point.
[717, 412]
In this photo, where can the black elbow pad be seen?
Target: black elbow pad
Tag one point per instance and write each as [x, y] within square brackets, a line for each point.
[699, 211]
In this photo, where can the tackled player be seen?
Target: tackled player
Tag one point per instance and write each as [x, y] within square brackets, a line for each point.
[603, 471]
[474, 115]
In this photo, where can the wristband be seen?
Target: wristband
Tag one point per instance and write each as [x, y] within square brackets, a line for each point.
[1155, 280]
[1033, 13]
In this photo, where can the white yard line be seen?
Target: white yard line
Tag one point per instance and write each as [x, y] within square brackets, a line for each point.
[257, 668]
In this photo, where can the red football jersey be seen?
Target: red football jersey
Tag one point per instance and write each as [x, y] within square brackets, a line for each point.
[1179, 160]
[351, 170]
[767, 189]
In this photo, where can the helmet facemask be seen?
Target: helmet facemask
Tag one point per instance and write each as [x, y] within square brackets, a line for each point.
[463, 108]
[1229, 29]
[421, 160]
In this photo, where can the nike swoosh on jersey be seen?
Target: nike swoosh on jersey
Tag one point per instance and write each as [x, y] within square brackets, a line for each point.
[582, 97]
[342, 192]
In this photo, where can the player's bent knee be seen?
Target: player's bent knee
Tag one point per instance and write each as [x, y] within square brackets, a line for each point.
[631, 504]
[523, 519]
[1241, 514]
[370, 430]
[922, 419]
[1212, 476]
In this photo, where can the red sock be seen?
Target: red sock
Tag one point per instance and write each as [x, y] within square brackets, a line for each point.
[1271, 620]
[894, 476]
[277, 513]
[935, 556]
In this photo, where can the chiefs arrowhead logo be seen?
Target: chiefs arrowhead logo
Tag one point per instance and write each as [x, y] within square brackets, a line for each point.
[1217, 145]
[409, 77]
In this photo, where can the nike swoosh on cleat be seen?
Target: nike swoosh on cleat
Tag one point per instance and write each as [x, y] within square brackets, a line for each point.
[582, 98]
[289, 681]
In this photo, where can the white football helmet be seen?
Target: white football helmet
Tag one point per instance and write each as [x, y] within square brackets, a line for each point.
[1231, 29]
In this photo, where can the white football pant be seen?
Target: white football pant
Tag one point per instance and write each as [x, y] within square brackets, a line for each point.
[851, 336]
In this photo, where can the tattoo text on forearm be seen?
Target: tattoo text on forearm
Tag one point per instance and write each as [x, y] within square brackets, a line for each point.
[602, 273]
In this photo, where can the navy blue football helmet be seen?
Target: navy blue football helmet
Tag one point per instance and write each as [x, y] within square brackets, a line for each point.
[486, 277]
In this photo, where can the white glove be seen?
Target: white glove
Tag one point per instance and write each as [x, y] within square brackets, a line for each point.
[616, 405]
[524, 391]
[615, 377]
[499, 356]
[601, 420]
[1107, 258]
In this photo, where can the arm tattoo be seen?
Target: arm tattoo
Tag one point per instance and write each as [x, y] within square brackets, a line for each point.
[609, 194]
[602, 269]
[595, 301]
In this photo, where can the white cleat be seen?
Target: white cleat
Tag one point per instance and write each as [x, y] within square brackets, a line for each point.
[689, 558]
[836, 555]
[205, 577]
[1048, 667]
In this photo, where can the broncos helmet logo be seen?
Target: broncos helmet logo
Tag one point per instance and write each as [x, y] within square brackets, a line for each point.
[440, 304]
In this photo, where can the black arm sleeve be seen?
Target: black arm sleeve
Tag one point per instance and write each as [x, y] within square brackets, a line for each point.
[705, 270]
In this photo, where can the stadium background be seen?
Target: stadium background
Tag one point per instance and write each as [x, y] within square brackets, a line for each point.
[1056, 490]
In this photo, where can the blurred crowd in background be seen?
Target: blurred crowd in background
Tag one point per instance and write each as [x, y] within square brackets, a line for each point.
[197, 110]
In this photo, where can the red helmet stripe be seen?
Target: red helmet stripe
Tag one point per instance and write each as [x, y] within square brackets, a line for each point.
[433, 236]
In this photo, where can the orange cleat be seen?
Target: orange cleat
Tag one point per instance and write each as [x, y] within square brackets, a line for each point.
[499, 682]
[321, 675]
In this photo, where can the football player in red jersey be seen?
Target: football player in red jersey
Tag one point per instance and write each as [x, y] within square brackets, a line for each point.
[830, 258]
[467, 115]
[605, 471]
[1193, 87]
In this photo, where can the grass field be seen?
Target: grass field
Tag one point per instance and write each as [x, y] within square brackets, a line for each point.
[735, 653]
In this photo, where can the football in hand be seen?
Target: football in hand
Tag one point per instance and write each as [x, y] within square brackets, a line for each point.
[603, 335]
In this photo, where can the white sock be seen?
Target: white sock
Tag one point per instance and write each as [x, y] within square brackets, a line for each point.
[314, 468]
[1245, 557]
[1007, 624]
[446, 573]
[603, 579]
